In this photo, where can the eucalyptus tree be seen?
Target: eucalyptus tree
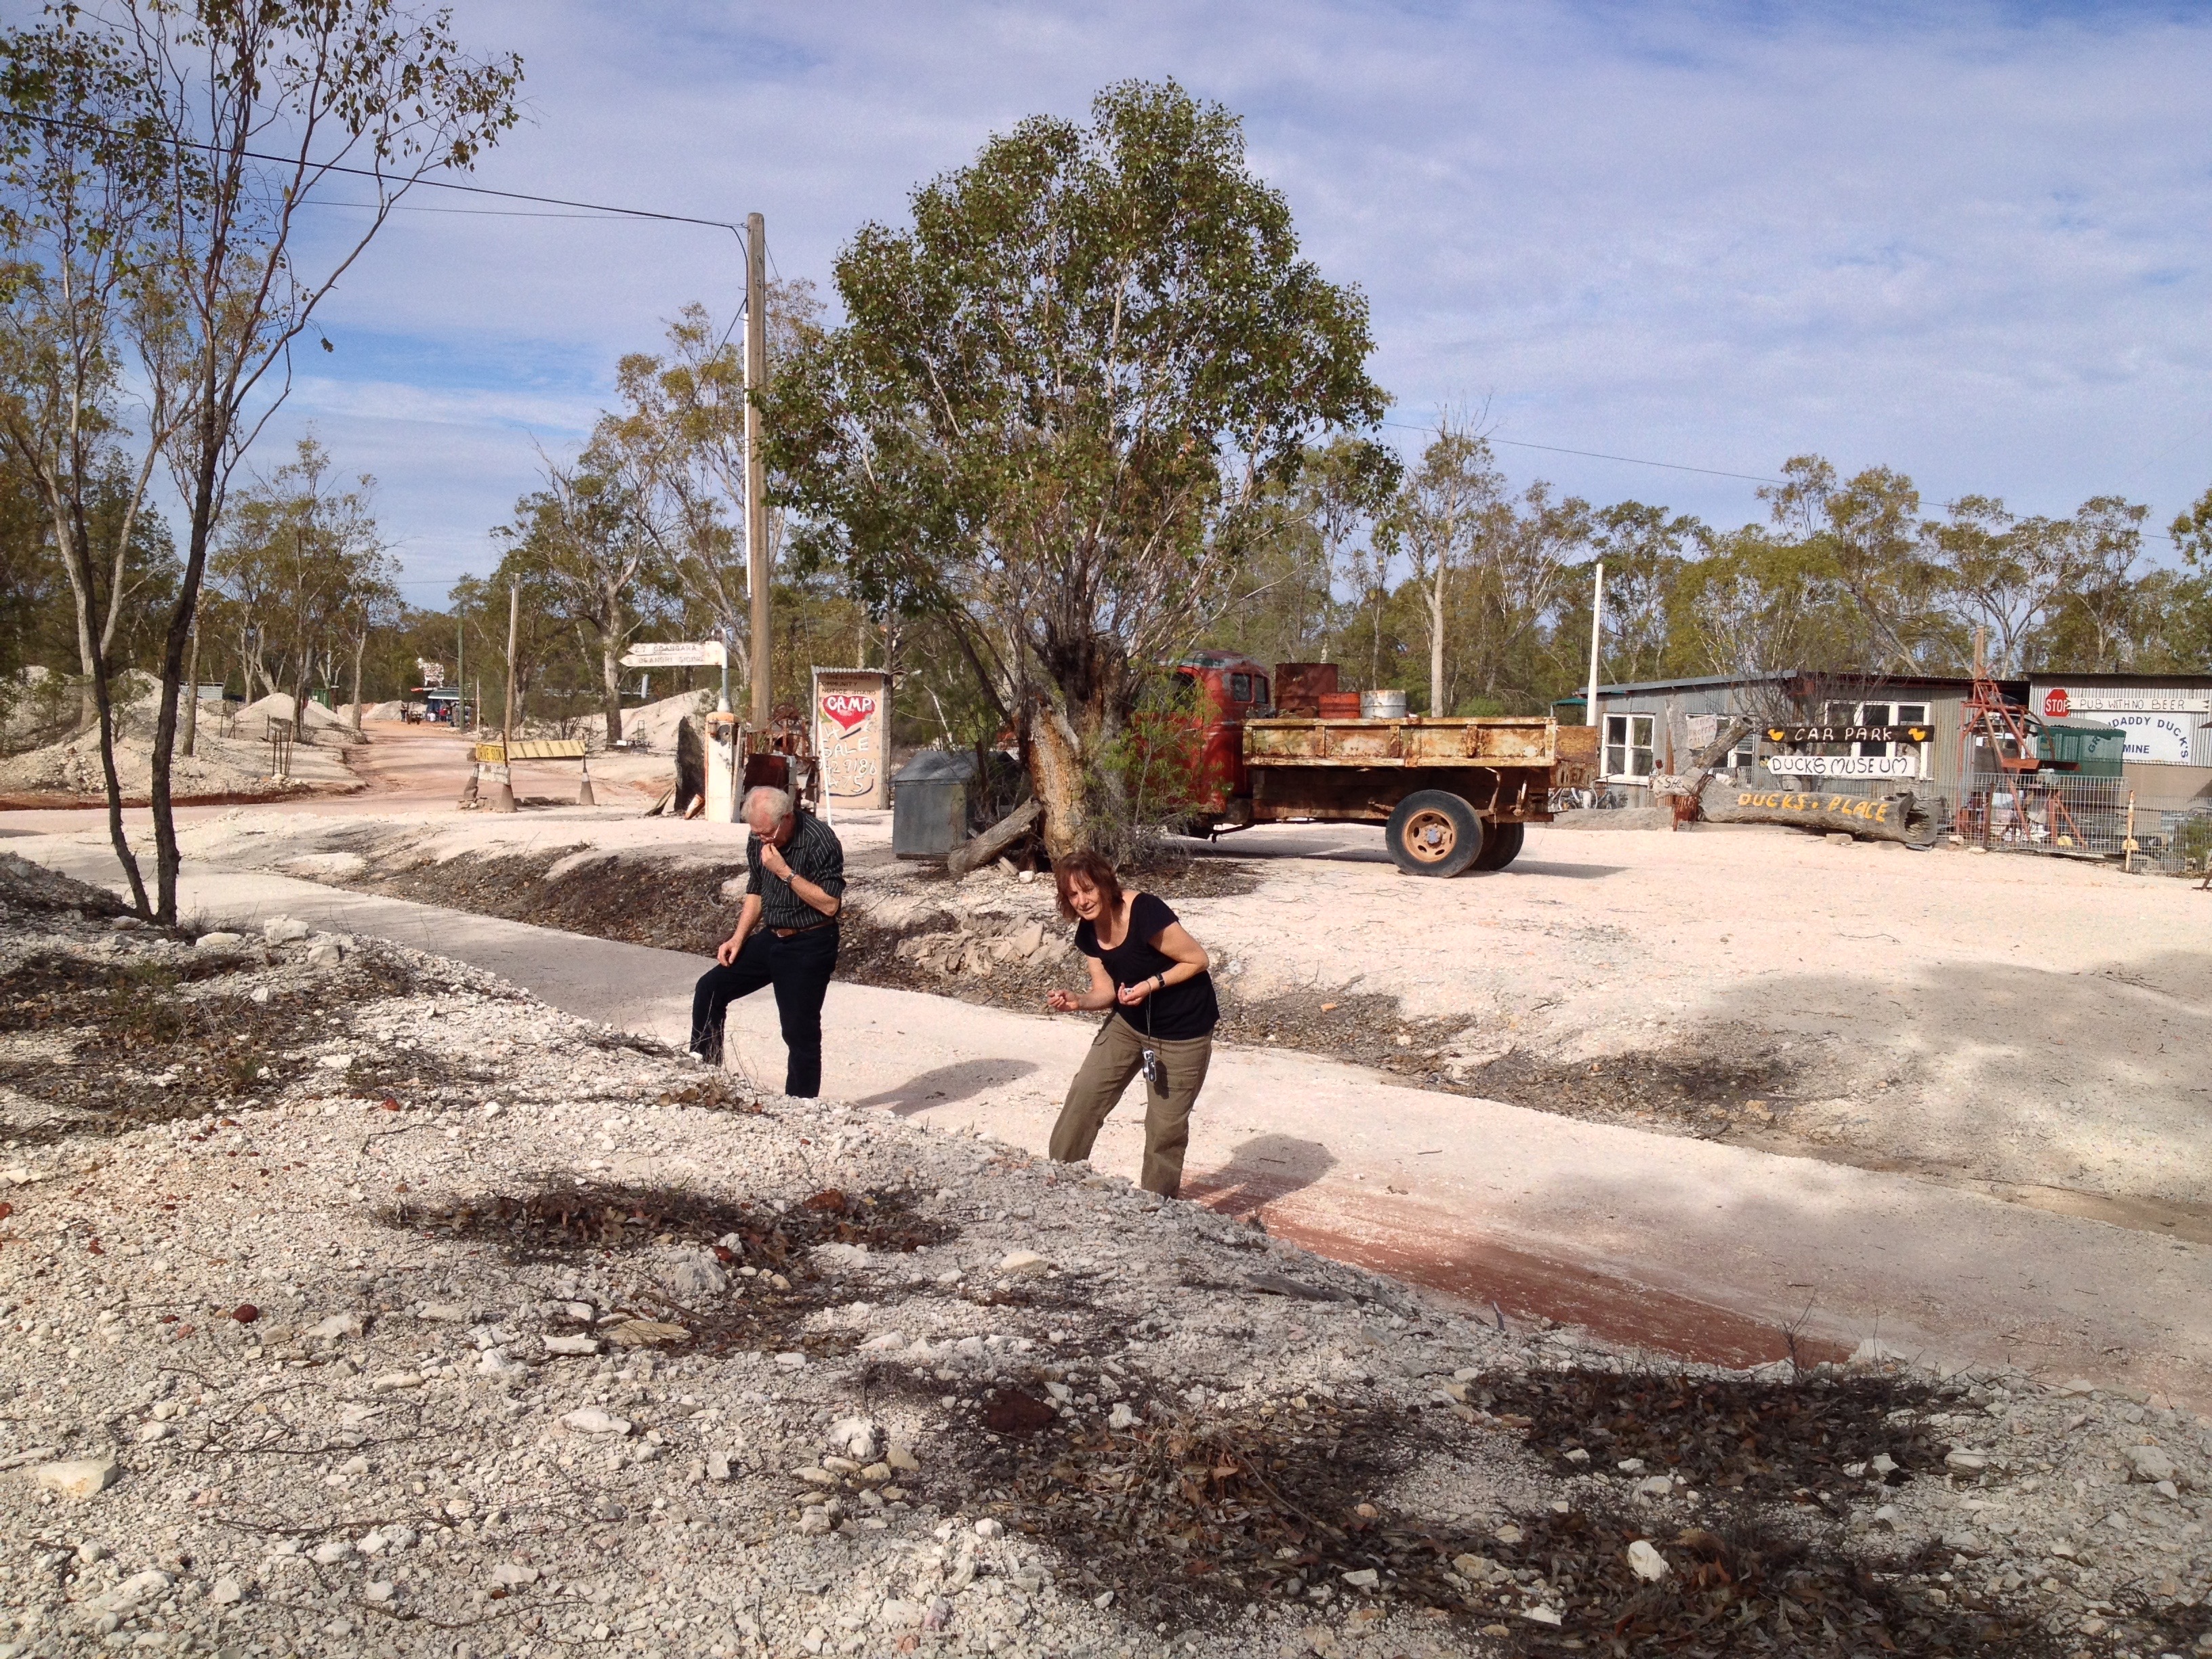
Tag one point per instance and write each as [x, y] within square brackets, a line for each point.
[307, 573]
[188, 136]
[591, 540]
[1053, 399]
[1434, 523]
[680, 435]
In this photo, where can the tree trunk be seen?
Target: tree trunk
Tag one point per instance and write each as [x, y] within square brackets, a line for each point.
[1056, 774]
[610, 686]
[192, 708]
[1437, 643]
[978, 850]
[360, 645]
[1869, 817]
[610, 644]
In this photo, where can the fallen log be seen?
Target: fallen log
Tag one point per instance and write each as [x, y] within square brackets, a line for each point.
[1869, 817]
[978, 850]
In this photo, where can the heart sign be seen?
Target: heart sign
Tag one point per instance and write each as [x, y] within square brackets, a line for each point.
[848, 709]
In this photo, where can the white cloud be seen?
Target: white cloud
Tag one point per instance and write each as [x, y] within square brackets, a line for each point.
[1963, 244]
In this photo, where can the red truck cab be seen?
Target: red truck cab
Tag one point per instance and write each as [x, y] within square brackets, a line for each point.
[1217, 691]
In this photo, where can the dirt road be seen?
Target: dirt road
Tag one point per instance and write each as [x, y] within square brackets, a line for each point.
[1688, 1089]
[1690, 1245]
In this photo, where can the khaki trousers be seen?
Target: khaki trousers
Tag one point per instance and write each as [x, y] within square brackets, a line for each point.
[1117, 1053]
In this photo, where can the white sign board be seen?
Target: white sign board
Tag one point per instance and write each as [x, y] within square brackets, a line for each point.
[2162, 739]
[1845, 766]
[853, 737]
[2059, 702]
[674, 654]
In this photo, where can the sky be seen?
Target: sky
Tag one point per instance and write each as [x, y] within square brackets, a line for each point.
[1971, 242]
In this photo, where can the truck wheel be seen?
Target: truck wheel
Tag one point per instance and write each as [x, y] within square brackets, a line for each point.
[1501, 845]
[1433, 833]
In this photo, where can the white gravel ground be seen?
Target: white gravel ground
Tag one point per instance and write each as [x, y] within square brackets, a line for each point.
[254, 1398]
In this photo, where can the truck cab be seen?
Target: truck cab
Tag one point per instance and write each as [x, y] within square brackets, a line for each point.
[1215, 692]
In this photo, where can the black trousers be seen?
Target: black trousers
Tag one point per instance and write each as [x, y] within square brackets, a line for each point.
[800, 968]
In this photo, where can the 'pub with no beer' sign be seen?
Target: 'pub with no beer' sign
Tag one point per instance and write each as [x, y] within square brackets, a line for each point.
[853, 737]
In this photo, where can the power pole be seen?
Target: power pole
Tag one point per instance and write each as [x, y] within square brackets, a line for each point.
[503, 797]
[192, 709]
[756, 569]
[1597, 633]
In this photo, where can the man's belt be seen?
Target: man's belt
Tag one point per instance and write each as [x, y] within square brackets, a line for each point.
[792, 933]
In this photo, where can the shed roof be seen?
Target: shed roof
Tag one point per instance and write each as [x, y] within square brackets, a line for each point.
[1867, 682]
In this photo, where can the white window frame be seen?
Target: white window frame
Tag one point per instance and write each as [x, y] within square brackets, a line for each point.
[1627, 748]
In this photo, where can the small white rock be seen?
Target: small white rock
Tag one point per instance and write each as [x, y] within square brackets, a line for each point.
[80, 1477]
[329, 1554]
[590, 1419]
[511, 1573]
[1646, 1563]
[988, 1528]
[1023, 1264]
[226, 1592]
[1364, 1578]
[2150, 1464]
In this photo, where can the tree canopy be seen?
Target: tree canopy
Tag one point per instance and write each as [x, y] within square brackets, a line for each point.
[1056, 399]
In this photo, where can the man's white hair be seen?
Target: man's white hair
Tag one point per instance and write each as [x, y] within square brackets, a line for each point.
[761, 798]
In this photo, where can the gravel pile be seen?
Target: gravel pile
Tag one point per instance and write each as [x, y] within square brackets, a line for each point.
[423, 1319]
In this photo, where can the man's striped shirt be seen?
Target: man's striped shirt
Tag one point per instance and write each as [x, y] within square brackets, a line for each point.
[813, 852]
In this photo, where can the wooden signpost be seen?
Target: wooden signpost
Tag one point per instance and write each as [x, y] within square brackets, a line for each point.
[1793, 735]
[853, 737]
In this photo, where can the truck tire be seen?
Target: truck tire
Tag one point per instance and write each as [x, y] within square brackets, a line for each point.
[1501, 845]
[1433, 833]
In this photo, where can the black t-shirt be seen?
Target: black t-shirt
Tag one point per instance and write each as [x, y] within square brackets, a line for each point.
[1188, 1010]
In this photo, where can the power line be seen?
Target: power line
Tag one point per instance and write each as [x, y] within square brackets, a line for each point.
[1600, 455]
[423, 180]
[1672, 466]
[485, 213]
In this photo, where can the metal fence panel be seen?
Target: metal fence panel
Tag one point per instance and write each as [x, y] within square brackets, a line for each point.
[2043, 813]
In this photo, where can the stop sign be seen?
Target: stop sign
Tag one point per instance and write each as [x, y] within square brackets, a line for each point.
[2055, 702]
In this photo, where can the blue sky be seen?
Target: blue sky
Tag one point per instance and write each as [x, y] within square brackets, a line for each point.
[1970, 242]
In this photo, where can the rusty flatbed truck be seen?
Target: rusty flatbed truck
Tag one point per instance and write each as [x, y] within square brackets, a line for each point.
[1453, 794]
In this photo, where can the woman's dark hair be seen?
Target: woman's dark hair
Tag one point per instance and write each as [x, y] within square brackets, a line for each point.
[1095, 872]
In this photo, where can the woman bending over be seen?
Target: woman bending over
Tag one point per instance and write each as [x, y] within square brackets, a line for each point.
[1152, 975]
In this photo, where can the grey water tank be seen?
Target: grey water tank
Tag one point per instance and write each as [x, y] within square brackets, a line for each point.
[930, 797]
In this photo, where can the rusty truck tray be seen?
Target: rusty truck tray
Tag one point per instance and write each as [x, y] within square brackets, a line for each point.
[1532, 740]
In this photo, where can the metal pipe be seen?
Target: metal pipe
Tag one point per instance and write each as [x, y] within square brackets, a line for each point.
[1597, 633]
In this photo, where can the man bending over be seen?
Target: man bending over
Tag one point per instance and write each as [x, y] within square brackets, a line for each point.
[786, 935]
